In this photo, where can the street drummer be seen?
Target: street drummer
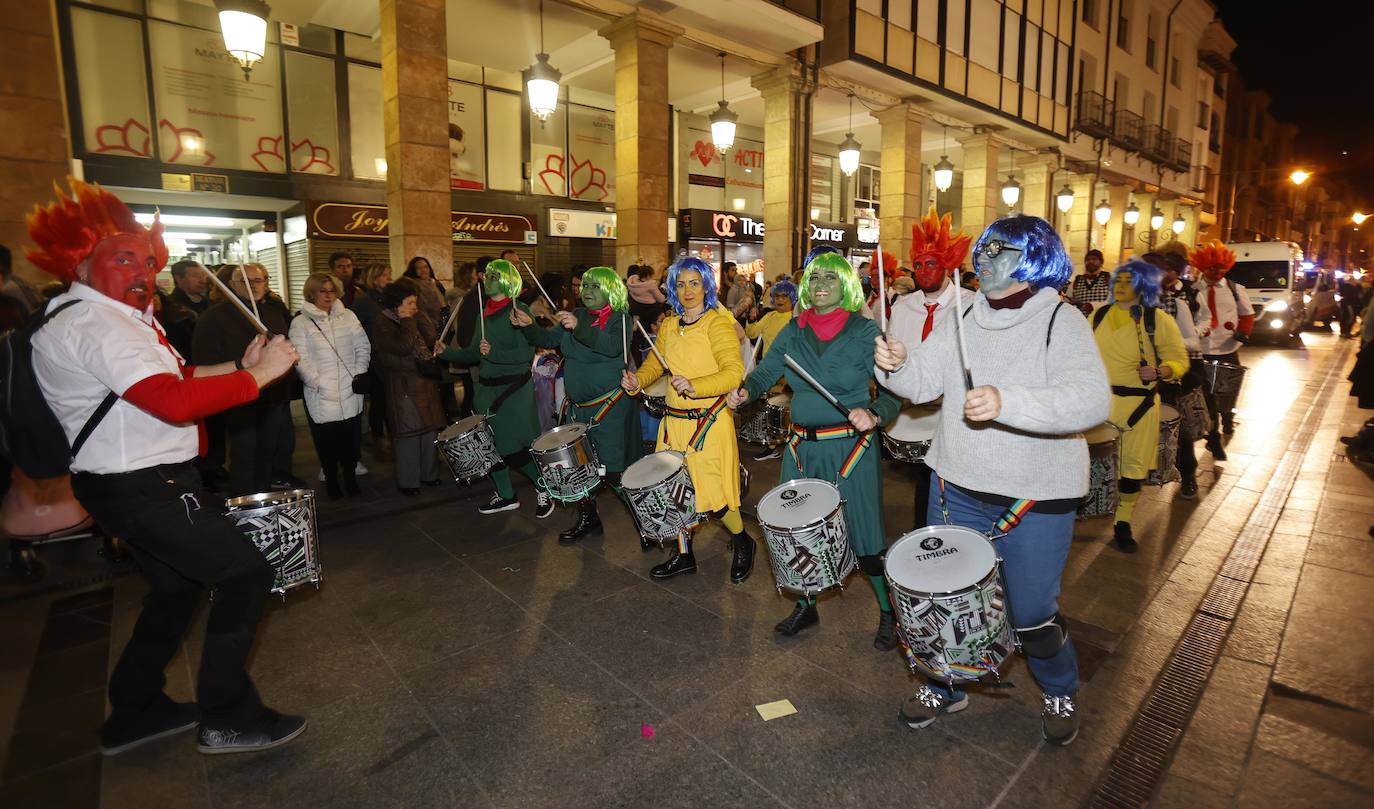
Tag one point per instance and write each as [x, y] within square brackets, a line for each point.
[836, 347]
[1142, 350]
[936, 255]
[1011, 462]
[767, 328]
[504, 389]
[594, 341]
[1226, 328]
[130, 408]
[702, 351]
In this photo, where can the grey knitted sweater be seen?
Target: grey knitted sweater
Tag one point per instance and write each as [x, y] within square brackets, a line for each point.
[1053, 387]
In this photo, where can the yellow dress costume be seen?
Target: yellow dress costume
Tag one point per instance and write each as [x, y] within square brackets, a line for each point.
[1121, 340]
[707, 353]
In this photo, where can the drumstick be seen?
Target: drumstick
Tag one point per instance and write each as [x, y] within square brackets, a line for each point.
[481, 311]
[243, 276]
[654, 349]
[882, 294]
[959, 335]
[448, 323]
[553, 305]
[234, 299]
[813, 382]
[625, 337]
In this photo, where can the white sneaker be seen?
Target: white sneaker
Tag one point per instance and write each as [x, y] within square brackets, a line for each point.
[359, 470]
[497, 504]
[322, 476]
[543, 506]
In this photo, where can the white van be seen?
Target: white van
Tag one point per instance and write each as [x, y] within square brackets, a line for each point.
[1272, 275]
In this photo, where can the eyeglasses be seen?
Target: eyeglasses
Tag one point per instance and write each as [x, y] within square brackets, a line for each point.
[994, 247]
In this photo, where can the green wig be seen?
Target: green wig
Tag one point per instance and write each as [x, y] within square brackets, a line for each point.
[853, 298]
[507, 277]
[611, 284]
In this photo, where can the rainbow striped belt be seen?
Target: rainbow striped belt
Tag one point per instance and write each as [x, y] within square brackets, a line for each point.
[851, 461]
[1010, 518]
[703, 417]
[603, 403]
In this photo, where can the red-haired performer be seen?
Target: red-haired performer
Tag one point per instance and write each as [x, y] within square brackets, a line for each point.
[135, 472]
[1228, 328]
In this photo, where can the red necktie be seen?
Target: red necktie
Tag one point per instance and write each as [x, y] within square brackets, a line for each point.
[1212, 303]
[930, 321]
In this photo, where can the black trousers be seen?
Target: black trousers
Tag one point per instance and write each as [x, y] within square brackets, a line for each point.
[376, 408]
[180, 537]
[261, 442]
[920, 474]
[1218, 405]
[337, 443]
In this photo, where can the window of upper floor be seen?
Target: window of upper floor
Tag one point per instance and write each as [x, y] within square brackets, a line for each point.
[1123, 25]
[1152, 41]
[1092, 10]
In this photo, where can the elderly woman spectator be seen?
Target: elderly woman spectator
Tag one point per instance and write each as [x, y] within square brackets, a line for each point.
[335, 354]
[431, 294]
[402, 342]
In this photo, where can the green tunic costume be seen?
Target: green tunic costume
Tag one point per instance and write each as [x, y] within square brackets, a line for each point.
[594, 358]
[844, 366]
[505, 389]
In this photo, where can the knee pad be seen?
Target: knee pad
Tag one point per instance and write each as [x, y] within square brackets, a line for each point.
[871, 565]
[1045, 639]
[1128, 485]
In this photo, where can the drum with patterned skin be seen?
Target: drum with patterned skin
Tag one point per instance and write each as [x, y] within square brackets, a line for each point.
[808, 541]
[568, 467]
[767, 421]
[469, 448]
[655, 397]
[908, 438]
[1104, 468]
[662, 499]
[1165, 471]
[282, 525]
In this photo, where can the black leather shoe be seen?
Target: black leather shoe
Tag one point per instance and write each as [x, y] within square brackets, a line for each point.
[886, 639]
[1228, 424]
[1213, 446]
[270, 730]
[801, 618]
[588, 523]
[1123, 539]
[1188, 489]
[677, 565]
[742, 561]
[126, 730]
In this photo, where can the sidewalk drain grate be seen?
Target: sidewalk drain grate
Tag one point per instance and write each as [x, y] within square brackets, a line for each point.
[1223, 597]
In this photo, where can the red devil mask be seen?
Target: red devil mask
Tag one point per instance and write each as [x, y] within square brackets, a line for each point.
[93, 238]
[935, 252]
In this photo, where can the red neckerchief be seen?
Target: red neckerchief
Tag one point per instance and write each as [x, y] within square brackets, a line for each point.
[494, 306]
[825, 326]
[1013, 301]
[600, 316]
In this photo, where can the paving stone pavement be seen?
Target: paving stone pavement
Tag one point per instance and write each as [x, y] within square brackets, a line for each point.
[454, 660]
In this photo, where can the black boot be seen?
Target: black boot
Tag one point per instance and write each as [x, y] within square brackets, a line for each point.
[1228, 423]
[803, 615]
[348, 470]
[331, 481]
[588, 523]
[1123, 539]
[1213, 446]
[886, 638]
[678, 564]
[742, 561]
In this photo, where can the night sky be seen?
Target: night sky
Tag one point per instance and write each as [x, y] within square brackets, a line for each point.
[1316, 60]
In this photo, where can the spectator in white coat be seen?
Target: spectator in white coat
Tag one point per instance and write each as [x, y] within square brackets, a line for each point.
[334, 352]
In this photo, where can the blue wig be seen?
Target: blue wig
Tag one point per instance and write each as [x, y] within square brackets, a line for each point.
[785, 287]
[1145, 280]
[817, 250]
[1044, 262]
[708, 281]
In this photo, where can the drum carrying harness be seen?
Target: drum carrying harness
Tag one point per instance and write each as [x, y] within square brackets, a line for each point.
[1010, 518]
[603, 403]
[1148, 394]
[513, 382]
[851, 461]
[704, 417]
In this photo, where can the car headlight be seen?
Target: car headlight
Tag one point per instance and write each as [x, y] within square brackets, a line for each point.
[1306, 298]
[1276, 324]
[1279, 305]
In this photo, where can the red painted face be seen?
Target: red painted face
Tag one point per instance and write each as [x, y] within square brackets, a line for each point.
[1214, 274]
[929, 274]
[124, 267]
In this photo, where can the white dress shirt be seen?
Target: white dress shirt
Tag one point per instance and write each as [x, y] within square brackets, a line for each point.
[909, 313]
[1219, 339]
[95, 347]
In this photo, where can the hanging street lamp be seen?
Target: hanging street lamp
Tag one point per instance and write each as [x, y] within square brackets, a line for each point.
[244, 26]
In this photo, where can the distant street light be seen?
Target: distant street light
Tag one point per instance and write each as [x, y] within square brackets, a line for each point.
[1299, 177]
[1358, 218]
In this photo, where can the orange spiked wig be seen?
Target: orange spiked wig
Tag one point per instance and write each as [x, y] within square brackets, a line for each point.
[932, 236]
[1212, 256]
[66, 232]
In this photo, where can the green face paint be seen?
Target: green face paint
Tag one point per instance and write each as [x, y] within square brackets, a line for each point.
[492, 286]
[593, 296]
[827, 293]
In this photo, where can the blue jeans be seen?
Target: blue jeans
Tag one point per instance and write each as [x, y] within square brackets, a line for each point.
[1033, 556]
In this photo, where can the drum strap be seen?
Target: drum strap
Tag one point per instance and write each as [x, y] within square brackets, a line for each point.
[1141, 409]
[603, 403]
[513, 383]
[851, 461]
[703, 418]
[1011, 517]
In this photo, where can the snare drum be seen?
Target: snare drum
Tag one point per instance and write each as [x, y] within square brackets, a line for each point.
[945, 582]
[282, 525]
[909, 437]
[661, 496]
[469, 448]
[1165, 471]
[655, 396]
[768, 421]
[1222, 378]
[1104, 469]
[808, 541]
[568, 466]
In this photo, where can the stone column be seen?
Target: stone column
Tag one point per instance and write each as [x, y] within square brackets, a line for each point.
[415, 115]
[787, 91]
[643, 151]
[1076, 226]
[1037, 173]
[902, 200]
[37, 152]
[982, 201]
[1113, 240]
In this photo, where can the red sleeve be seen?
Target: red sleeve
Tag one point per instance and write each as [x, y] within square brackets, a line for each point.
[1246, 324]
[181, 401]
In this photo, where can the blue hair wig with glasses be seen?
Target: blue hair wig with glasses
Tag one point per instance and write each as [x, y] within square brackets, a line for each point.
[708, 282]
[787, 288]
[1044, 261]
[1145, 280]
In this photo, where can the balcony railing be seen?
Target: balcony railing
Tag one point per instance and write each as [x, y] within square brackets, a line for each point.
[1159, 144]
[1129, 132]
[1094, 115]
[1183, 155]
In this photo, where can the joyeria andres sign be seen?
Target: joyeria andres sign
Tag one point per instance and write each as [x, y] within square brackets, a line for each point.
[340, 220]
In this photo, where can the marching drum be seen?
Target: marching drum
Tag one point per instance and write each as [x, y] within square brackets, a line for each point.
[945, 582]
[655, 396]
[803, 523]
[1222, 378]
[661, 496]
[282, 526]
[469, 448]
[568, 466]
[1165, 471]
[1192, 406]
[768, 421]
[909, 437]
[1104, 468]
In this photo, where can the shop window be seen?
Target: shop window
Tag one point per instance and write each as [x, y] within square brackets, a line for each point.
[984, 33]
[367, 49]
[312, 114]
[113, 88]
[208, 114]
[466, 137]
[548, 139]
[590, 168]
[504, 111]
[867, 187]
[366, 130]
[315, 38]
[131, 6]
[823, 202]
